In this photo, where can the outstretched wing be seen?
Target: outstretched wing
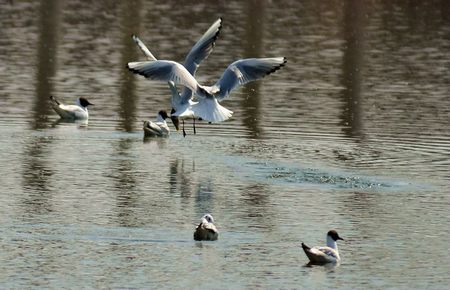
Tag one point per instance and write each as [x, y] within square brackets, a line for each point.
[199, 52]
[164, 70]
[204, 46]
[243, 71]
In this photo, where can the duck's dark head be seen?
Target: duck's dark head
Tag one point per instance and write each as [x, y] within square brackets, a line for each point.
[84, 102]
[163, 114]
[334, 235]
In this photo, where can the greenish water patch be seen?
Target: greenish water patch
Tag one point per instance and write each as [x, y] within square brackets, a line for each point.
[286, 174]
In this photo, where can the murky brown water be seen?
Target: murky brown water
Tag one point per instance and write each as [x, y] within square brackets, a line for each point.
[352, 134]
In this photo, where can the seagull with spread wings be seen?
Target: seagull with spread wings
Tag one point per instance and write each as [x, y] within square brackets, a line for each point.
[208, 108]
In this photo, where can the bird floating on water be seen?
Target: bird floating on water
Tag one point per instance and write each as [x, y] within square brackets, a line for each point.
[71, 112]
[324, 255]
[182, 103]
[158, 128]
[208, 108]
[206, 230]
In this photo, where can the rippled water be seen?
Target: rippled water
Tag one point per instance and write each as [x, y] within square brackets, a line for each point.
[352, 134]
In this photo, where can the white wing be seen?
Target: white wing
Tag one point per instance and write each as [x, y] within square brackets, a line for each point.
[199, 52]
[243, 71]
[143, 48]
[165, 70]
[327, 251]
[204, 46]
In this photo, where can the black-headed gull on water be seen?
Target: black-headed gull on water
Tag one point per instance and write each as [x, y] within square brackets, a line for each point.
[324, 255]
[158, 128]
[206, 230]
[182, 103]
[71, 112]
[208, 108]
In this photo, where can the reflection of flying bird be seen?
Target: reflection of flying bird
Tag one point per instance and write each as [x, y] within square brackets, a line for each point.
[206, 230]
[71, 112]
[158, 128]
[324, 255]
[182, 103]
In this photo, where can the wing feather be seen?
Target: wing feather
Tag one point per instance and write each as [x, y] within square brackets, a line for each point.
[327, 251]
[164, 70]
[204, 46]
[143, 48]
[243, 71]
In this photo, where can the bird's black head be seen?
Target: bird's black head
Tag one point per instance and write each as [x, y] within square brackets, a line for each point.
[334, 235]
[163, 114]
[84, 102]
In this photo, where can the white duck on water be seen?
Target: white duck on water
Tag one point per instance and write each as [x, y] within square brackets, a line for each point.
[182, 103]
[324, 255]
[158, 128]
[206, 230]
[71, 112]
[208, 108]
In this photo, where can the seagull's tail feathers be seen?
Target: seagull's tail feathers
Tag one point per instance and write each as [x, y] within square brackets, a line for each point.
[305, 248]
[54, 101]
[210, 110]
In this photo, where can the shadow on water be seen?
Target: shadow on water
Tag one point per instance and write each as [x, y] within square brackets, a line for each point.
[258, 205]
[128, 98]
[79, 123]
[160, 142]
[205, 195]
[36, 175]
[351, 119]
[49, 23]
[184, 183]
[125, 183]
[253, 44]
[181, 179]
[330, 267]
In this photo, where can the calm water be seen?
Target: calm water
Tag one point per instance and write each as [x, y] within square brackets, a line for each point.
[352, 134]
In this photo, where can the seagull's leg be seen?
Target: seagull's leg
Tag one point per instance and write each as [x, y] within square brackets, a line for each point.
[184, 132]
[195, 132]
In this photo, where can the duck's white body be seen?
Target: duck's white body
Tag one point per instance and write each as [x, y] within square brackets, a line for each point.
[324, 255]
[206, 230]
[71, 112]
[158, 128]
